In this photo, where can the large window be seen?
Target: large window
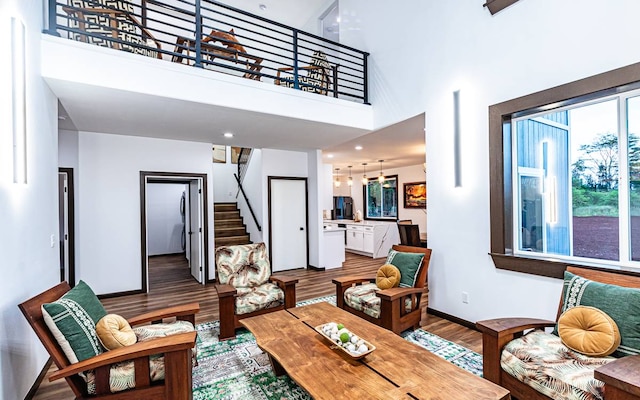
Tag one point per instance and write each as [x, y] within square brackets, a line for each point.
[565, 176]
[381, 198]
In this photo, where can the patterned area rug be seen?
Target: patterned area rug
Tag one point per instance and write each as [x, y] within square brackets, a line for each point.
[238, 369]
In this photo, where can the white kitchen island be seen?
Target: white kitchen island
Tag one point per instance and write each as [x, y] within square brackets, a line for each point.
[370, 238]
[333, 254]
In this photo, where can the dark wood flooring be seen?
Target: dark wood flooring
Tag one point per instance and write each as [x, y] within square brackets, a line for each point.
[170, 283]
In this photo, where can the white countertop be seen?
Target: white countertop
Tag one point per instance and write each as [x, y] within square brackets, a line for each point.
[352, 222]
[329, 229]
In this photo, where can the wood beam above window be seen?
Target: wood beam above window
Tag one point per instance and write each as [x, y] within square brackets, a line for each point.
[495, 6]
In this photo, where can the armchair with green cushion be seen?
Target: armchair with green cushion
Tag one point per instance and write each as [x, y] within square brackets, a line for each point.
[111, 23]
[246, 287]
[397, 308]
[64, 319]
[520, 355]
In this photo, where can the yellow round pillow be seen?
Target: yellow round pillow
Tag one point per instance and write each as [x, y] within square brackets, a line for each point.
[388, 276]
[115, 332]
[589, 331]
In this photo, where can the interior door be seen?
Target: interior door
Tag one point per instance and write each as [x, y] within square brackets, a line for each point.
[288, 223]
[195, 230]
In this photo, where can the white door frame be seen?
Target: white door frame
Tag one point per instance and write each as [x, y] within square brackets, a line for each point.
[172, 177]
[306, 205]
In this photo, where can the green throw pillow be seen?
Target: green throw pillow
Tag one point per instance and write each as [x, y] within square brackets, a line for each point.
[408, 264]
[620, 303]
[72, 320]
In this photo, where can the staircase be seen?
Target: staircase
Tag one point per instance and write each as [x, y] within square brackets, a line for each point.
[229, 226]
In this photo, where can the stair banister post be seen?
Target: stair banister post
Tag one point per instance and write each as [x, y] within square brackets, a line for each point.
[296, 85]
[198, 61]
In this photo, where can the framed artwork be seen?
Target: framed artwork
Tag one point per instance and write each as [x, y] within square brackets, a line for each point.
[219, 154]
[235, 154]
[415, 195]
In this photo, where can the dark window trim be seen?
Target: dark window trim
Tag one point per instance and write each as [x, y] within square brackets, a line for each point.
[615, 81]
[364, 200]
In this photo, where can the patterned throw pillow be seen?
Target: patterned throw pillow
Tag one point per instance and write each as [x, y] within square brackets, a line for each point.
[241, 266]
[408, 264]
[620, 303]
[72, 321]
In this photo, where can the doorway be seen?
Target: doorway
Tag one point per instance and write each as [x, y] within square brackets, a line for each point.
[288, 216]
[189, 234]
[66, 229]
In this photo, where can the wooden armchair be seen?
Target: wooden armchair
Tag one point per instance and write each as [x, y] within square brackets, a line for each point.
[246, 287]
[176, 349]
[620, 377]
[400, 307]
[112, 24]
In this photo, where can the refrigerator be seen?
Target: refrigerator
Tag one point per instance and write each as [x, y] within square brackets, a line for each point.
[342, 207]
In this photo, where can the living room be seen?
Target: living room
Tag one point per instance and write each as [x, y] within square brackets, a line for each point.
[444, 48]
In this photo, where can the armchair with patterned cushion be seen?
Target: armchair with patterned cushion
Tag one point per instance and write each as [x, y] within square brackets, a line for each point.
[111, 23]
[592, 352]
[320, 74]
[246, 287]
[390, 299]
[101, 356]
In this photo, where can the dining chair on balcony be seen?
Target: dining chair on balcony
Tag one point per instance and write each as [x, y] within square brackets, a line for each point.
[320, 75]
[111, 23]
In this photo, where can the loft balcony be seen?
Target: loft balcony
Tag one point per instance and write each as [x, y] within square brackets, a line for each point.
[212, 36]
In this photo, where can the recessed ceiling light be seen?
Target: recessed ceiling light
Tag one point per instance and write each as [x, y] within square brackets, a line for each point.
[228, 135]
[263, 7]
[330, 156]
[358, 147]
[62, 117]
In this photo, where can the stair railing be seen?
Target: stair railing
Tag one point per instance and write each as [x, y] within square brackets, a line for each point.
[255, 219]
[243, 160]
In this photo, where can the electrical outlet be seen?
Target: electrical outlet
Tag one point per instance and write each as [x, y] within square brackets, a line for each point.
[53, 240]
[465, 297]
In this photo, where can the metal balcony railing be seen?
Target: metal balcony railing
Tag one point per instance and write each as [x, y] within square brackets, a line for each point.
[211, 35]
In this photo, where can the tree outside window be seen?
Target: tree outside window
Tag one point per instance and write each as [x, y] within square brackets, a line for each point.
[381, 199]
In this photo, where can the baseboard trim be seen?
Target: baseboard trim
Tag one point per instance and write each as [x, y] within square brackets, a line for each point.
[452, 318]
[118, 294]
[36, 385]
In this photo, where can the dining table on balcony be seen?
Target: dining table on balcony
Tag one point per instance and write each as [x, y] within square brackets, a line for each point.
[210, 52]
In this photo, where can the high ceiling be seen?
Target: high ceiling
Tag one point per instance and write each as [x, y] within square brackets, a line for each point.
[401, 144]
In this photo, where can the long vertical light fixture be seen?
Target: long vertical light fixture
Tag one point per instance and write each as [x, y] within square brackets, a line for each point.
[364, 173]
[350, 179]
[457, 168]
[18, 101]
[381, 177]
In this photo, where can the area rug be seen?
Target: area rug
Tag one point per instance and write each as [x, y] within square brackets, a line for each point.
[238, 369]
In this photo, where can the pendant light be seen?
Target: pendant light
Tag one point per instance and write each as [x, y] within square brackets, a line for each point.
[350, 180]
[364, 174]
[337, 181]
[381, 178]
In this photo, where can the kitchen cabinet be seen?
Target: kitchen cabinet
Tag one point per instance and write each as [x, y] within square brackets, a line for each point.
[371, 238]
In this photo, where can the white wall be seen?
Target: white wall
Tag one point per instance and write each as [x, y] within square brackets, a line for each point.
[530, 46]
[28, 212]
[109, 202]
[164, 220]
[225, 185]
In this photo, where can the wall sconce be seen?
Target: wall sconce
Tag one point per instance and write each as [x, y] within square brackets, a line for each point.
[337, 180]
[457, 168]
[18, 101]
[364, 174]
[350, 179]
[381, 177]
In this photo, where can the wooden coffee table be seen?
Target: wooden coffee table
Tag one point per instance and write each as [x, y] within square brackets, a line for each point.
[397, 369]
